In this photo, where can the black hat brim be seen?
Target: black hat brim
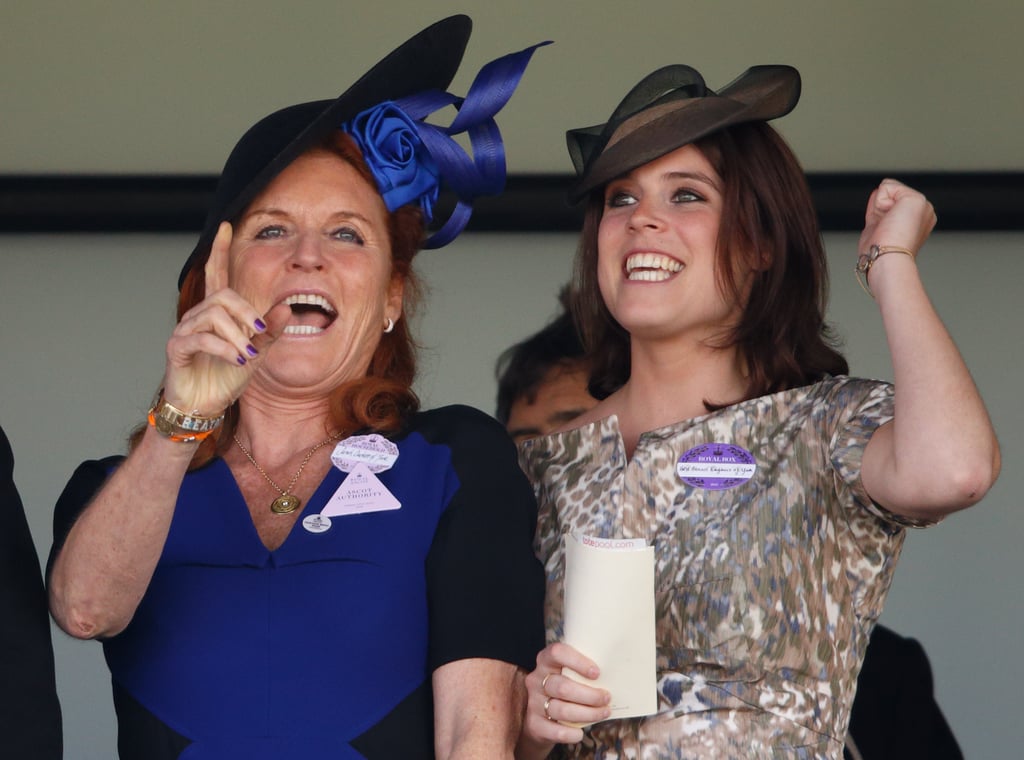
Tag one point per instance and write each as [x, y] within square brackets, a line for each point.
[426, 61]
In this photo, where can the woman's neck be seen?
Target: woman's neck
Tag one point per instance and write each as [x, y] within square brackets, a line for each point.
[274, 428]
[669, 383]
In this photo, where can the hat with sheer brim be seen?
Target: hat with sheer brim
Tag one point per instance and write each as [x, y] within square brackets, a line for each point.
[427, 61]
[670, 108]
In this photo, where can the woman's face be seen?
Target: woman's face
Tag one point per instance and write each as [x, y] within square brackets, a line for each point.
[657, 249]
[317, 239]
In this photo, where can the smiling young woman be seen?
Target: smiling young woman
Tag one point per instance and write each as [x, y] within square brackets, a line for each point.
[767, 231]
[657, 242]
[700, 292]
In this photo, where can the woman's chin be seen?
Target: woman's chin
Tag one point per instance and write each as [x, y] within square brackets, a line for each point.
[308, 363]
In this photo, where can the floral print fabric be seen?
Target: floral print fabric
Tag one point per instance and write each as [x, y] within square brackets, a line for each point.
[766, 592]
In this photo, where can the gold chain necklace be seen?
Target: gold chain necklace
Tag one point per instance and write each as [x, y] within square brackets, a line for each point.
[287, 502]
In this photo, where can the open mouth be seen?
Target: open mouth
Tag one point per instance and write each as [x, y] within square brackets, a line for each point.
[651, 267]
[311, 314]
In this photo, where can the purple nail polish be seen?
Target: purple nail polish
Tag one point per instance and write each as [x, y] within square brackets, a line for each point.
[241, 361]
[251, 350]
[260, 325]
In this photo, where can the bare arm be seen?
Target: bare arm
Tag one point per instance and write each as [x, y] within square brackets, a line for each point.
[478, 709]
[105, 565]
[939, 454]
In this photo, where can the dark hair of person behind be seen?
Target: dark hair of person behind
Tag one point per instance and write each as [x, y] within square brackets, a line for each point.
[522, 368]
[768, 225]
[381, 401]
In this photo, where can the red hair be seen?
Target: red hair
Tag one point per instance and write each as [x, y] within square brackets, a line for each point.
[383, 399]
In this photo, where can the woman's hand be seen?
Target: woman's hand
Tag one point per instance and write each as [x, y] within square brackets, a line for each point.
[553, 699]
[218, 343]
[897, 215]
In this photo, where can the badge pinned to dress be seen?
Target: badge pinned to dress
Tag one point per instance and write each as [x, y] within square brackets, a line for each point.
[362, 457]
[716, 466]
[316, 523]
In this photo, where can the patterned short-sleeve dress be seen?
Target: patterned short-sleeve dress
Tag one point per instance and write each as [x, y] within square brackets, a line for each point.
[767, 584]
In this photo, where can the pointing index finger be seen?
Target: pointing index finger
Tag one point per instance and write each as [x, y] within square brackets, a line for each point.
[217, 264]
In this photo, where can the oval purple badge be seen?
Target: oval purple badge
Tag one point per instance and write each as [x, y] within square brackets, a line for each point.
[716, 466]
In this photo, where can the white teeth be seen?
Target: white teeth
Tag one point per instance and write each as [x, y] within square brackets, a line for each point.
[312, 300]
[650, 275]
[302, 330]
[652, 263]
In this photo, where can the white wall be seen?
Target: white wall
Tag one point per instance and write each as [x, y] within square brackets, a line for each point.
[84, 320]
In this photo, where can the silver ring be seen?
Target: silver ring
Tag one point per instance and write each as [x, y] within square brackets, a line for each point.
[547, 703]
[544, 683]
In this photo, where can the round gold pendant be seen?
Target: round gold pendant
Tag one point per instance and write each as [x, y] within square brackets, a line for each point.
[285, 504]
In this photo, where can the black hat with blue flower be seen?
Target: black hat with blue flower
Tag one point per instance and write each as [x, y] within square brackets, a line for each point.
[384, 112]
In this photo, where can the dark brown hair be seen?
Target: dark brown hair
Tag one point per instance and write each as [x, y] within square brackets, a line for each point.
[522, 369]
[768, 228]
[383, 399]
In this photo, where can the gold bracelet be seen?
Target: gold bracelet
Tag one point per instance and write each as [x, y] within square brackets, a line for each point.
[867, 260]
[178, 425]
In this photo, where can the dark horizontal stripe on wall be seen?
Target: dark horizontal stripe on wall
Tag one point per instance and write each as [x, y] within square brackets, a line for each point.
[969, 201]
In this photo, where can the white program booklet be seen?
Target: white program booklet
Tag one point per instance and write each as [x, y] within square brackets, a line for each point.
[609, 617]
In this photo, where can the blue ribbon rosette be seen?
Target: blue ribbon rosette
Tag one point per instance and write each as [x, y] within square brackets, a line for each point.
[410, 158]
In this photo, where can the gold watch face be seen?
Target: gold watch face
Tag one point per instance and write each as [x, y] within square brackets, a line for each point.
[163, 426]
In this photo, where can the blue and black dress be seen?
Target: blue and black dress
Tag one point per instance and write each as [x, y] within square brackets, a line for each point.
[324, 647]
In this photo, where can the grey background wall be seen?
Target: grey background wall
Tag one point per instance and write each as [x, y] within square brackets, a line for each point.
[123, 86]
[143, 85]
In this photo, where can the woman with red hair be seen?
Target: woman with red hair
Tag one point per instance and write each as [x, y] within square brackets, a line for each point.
[293, 560]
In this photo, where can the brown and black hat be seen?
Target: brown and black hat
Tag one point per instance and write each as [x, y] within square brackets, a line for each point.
[670, 108]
